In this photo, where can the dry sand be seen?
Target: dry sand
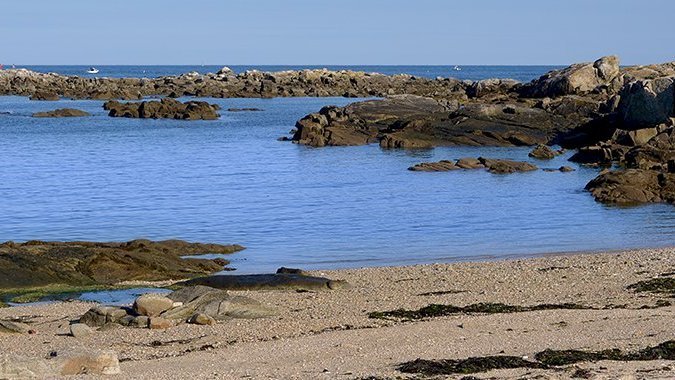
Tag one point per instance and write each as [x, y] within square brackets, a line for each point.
[328, 335]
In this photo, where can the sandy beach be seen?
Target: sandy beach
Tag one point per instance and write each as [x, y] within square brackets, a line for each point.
[328, 334]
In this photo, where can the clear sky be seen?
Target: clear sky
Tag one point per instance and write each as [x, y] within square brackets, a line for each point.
[335, 32]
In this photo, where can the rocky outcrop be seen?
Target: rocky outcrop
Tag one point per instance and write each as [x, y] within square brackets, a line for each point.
[602, 75]
[62, 112]
[633, 186]
[163, 109]
[496, 166]
[38, 263]
[227, 84]
[418, 122]
[646, 103]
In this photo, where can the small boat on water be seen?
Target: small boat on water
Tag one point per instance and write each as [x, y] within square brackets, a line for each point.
[457, 68]
[92, 70]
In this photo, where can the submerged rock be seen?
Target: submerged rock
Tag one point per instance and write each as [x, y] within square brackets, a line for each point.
[62, 112]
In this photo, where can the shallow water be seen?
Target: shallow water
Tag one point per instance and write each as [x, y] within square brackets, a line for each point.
[230, 181]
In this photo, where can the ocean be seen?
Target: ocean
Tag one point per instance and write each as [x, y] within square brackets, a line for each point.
[230, 181]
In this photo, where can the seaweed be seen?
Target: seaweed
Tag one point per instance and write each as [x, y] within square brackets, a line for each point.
[437, 310]
[466, 366]
[441, 292]
[547, 359]
[663, 351]
[655, 285]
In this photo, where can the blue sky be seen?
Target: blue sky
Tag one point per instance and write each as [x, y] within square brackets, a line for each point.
[335, 32]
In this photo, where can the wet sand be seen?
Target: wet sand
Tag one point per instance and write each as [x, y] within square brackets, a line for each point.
[329, 335]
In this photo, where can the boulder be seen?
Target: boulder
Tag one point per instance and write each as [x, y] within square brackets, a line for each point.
[89, 362]
[62, 112]
[577, 79]
[201, 319]
[152, 305]
[80, 329]
[140, 321]
[647, 103]
[100, 315]
[633, 186]
[217, 304]
[159, 323]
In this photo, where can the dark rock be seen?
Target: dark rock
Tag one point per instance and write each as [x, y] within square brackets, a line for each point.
[62, 112]
[266, 281]
[633, 186]
[165, 109]
[542, 152]
[243, 109]
[645, 103]
[284, 270]
[441, 166]
[102, 315]
[506, 166]
[44, 95]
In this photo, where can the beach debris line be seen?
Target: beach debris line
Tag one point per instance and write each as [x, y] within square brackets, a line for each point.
[545, 360]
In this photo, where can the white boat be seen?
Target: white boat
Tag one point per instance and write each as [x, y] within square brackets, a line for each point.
[457, 68]
[92, 70]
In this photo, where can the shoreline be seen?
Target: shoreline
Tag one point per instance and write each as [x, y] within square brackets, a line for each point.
[328, 334]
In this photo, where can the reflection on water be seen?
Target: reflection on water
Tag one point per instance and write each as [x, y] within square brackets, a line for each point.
[230, 181]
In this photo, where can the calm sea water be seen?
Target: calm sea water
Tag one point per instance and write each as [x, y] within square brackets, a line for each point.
[231, 181]
[521, 73]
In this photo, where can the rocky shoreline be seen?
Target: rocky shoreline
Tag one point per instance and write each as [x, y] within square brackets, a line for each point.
[612, 115]
[599, 315]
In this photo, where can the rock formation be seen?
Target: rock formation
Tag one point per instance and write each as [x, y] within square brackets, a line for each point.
[38, 263]
[496, 166]
[164, 109]
[62, 112]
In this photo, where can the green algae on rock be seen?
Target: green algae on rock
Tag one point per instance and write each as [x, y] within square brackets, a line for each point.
[36, 264]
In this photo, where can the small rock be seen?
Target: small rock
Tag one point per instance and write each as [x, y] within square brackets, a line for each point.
[90, 363]
[565, 169]
[13, 327]
[542, 152]
[80, 329]
[100, 315]
[159, 323]
[201, 319]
